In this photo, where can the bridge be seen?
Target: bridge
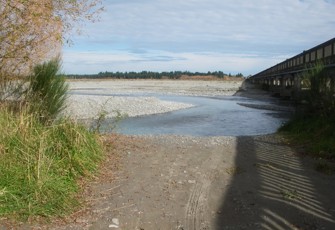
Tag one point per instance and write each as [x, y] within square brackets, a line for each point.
[284, 79]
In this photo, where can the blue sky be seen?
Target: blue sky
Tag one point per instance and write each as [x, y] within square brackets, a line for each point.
[232, 36]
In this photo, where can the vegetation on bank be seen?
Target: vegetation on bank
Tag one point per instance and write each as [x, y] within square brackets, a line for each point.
[42, 156]
[40, 165]
[316, 134]
[314, 123]
[155, 75]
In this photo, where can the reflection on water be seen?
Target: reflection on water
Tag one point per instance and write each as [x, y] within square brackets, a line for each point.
[211, 116]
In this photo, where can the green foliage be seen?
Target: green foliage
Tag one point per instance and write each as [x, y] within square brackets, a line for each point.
[40, 164]
[239, 75]
[314, 132]
[153, 75]
[324, 167]
[103, 124]
[47, 90]
[314, 125]
[320, 95]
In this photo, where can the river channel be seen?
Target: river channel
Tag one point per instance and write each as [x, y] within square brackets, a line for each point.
[211, 116]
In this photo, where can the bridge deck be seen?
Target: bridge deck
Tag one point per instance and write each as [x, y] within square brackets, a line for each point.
[284, 78]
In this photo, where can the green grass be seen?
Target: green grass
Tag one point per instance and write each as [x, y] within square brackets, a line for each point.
[314, 125]
[40, 165]
[324, 167]
[315, 133]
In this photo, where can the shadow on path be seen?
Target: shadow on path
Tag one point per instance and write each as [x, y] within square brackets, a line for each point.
[273, 188]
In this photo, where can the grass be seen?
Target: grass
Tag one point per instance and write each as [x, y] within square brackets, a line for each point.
[234, 170]
[315, 133]
[42, 155]
[314, 125]
[41, 164]
[324, 167]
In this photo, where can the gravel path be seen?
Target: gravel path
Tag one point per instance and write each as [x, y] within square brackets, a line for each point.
[198, 183]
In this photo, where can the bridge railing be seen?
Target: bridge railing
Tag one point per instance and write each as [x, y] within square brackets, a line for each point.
[324, 53]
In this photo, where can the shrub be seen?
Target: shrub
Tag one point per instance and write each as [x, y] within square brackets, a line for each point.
[314, 125]
[47, 90]
[320, 96]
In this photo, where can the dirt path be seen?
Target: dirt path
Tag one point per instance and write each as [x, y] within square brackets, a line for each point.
[173, 182]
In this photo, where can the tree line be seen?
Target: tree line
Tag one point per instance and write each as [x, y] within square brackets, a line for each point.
[152, 75]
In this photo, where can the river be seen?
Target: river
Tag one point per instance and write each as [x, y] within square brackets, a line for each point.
[211, 116]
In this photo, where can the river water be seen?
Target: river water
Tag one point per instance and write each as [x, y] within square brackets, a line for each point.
[211, 116]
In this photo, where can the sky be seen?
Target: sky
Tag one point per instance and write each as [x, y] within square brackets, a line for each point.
[233, 36]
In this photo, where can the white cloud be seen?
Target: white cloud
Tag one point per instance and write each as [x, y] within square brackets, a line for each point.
[266, 28]
[94, 62]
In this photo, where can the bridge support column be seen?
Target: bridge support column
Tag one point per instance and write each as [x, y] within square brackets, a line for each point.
[296, 89]
[286, 88]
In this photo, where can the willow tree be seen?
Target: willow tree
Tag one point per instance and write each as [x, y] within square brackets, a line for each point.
[32, 31]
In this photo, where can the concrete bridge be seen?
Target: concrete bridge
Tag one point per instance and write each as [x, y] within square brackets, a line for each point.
[284, 79]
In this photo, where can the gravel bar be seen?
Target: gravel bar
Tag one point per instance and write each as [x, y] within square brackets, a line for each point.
[88, 99]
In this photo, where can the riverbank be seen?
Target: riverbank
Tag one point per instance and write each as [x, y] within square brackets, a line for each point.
[185, 182]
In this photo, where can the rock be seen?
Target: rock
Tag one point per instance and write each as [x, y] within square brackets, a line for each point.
[116, 221]
[115, 224]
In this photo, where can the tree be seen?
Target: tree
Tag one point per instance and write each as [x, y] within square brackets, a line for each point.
[32, 31]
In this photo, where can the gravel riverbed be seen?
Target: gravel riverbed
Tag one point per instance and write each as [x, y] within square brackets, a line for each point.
[90, 98]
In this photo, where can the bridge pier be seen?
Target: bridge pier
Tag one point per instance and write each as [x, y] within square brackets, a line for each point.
[286, 88]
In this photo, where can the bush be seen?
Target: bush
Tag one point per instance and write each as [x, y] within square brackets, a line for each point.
[320, 95]
[314, 124]
[40, 164]
[47, 90]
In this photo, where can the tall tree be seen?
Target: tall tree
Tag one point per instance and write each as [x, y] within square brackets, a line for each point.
[32, 31]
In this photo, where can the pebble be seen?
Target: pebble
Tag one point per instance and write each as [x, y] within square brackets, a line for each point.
[115, 223]
[191, 181]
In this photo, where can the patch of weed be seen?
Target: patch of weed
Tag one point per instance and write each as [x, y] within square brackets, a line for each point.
[234, 170]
